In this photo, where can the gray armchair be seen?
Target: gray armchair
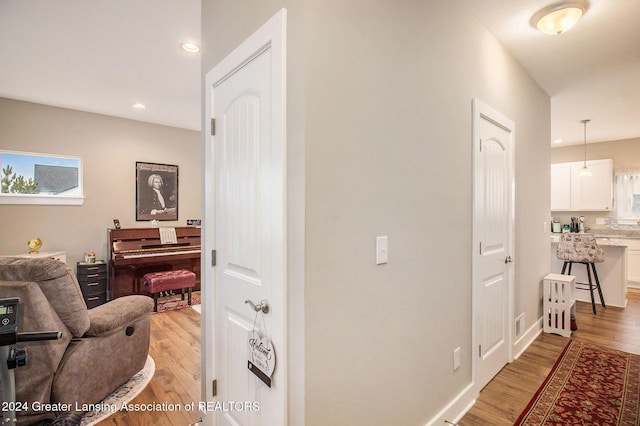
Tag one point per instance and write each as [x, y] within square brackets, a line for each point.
[100, 349]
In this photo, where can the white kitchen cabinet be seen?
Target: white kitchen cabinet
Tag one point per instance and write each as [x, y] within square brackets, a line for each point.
[561, 187]
[572, 192]
[592, 193]
[633, 262]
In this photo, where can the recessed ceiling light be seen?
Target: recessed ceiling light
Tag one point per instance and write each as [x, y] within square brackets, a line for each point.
[190, 47]
[139, 105]
[559, 17]
[557, 141]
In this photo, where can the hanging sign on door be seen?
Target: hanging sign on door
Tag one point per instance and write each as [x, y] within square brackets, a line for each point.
[262, 357]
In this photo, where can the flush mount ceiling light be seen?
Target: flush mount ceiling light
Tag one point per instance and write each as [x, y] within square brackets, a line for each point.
[138, 105]
[559, 17]
[190, 47]
[585, 170]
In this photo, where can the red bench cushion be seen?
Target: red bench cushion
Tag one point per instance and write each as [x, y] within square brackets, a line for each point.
[169, 280]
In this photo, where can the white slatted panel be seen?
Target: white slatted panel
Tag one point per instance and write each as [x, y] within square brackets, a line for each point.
[494, 318]
[241, 188]
[495, 195]
[237, 328]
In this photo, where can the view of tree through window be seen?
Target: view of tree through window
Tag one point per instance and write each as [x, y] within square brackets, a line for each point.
[40, 178]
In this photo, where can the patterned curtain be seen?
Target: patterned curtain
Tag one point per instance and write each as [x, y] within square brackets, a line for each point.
[627, 194]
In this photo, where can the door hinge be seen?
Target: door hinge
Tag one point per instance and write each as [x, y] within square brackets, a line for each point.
[213, 126]
[480, 145]
[480, 247]
[214, 388]
[479, 351]
[213, 258]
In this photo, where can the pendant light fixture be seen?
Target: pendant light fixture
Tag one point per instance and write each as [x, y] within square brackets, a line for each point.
[585, 170]
[559, 17]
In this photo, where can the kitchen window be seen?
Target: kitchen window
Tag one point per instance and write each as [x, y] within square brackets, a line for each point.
[627, 195]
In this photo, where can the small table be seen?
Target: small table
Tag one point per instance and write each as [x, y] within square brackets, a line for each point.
[56, 255]
[559, 303]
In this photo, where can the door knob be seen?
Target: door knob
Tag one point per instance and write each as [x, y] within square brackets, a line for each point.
[263, 306]
[508, 259]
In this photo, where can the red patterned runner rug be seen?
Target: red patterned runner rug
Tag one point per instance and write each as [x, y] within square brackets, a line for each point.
[588, 385]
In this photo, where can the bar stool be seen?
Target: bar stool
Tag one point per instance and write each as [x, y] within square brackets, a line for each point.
[582, 248]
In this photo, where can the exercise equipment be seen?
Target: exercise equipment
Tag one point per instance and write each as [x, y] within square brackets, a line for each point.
[9, 309]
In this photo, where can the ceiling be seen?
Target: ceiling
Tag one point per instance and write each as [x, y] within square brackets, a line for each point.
[103, 55]
[590, 72]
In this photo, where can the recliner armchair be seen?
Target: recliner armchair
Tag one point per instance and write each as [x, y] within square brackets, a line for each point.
[100, 349]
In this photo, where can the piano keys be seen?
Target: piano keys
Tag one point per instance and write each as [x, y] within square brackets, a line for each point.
[137, 251]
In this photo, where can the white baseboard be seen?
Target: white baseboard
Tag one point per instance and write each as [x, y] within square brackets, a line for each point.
[456, 408]
[527, 338]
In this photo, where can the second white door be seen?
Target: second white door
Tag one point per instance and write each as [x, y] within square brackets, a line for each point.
[493, 242]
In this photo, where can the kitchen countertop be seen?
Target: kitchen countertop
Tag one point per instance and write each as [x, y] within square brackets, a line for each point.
[604, 241]
[612, 272]
[626, 233]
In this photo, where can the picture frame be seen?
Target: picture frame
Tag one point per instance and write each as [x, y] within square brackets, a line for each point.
[156, 191]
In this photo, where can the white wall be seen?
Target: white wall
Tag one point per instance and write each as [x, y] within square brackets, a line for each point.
[389, 153]
[109, 148]
[386, 91]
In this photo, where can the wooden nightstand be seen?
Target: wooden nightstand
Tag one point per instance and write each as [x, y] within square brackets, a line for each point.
[92, 278]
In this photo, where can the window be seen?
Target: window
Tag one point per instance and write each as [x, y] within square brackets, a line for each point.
[28, 178]
[627, 195]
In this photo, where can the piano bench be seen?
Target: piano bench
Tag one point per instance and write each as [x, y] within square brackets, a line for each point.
[180, 279]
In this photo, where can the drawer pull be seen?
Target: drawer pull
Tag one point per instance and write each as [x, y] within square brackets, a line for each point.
[93, 268]
[93, 275]
[91, 299]
[92, 284]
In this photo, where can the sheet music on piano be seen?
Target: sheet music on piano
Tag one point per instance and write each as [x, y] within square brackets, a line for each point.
[168, 236]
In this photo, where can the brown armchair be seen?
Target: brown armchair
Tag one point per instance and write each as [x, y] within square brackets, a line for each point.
[100, 349]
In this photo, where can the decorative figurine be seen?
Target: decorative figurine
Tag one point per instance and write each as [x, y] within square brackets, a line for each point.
[34, 245]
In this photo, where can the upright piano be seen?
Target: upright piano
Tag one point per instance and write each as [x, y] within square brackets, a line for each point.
[137, 251]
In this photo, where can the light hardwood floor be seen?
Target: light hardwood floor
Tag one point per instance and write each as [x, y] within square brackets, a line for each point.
[507, 395]
[175, 348]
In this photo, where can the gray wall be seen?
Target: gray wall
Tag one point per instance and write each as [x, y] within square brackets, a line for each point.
[109, 148]
[385, 138]
[624, 153]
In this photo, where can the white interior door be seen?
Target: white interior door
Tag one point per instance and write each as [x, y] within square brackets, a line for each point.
[246, 91]
[493, 242]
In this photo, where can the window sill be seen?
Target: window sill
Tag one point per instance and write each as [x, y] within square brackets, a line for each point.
[41, 200]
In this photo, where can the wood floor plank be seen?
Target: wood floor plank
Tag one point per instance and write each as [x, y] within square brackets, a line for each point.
[175, 348]
[507, 395]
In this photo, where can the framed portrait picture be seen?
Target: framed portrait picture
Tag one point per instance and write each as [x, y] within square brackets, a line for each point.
[156, 191]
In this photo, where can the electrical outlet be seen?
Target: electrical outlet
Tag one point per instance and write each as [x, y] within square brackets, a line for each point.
[456, 358]
[519, 324]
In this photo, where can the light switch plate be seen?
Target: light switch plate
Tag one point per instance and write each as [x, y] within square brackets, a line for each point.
[382, 250]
